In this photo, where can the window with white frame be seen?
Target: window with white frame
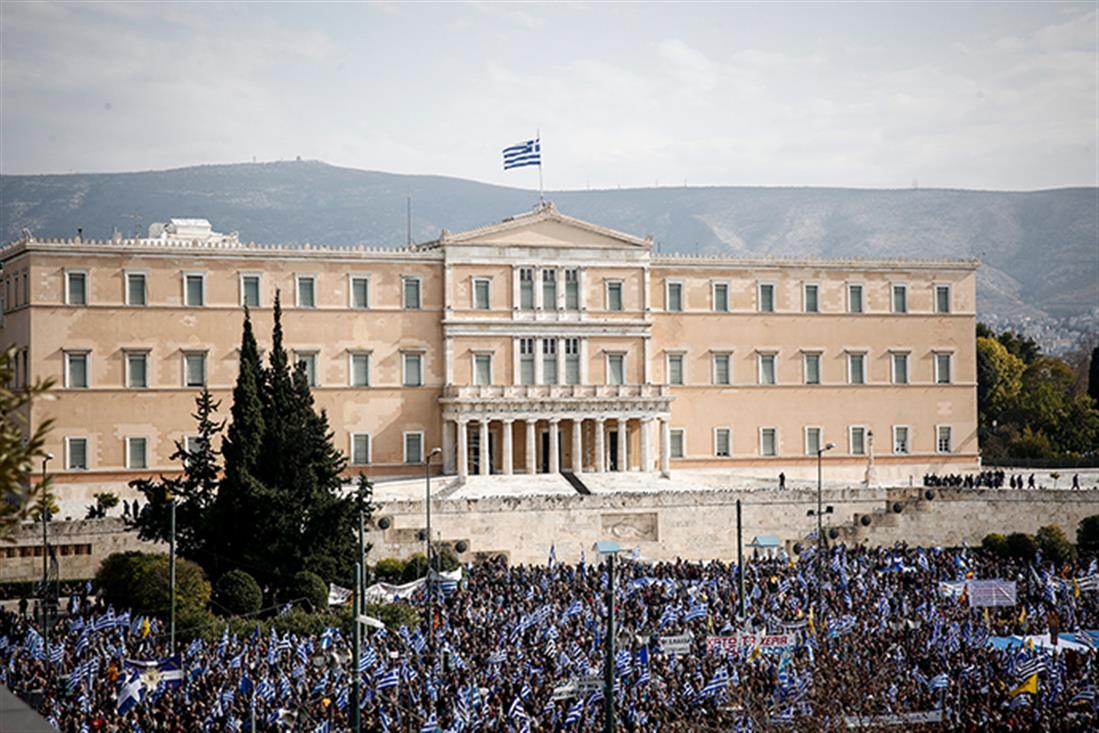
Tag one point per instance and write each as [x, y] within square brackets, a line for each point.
[767, 364]
[307, 291]
[722, 442]
[856, 368]
[76, 454]
[411, 288]
[722, 370]
[812, 441]
[811, 298]
[673, 296]
[549, 290]
[675, 368]
[360, 449]
[572, 290]
[766, 298]
[526, 289]
[137, 369]
[481, 292]
[572, 361]
[526, 361]
[614, 295]
[360, 292]
[854, 298]
[250, 290]
[943, 363]
[942, 298]
[76, 369]
[721, 297]
[360, 369]
[900, 439]
[137, 453]
[136, 291]
[616, 368]
[768, 441]
[194, 369]
[76, 287]
[482, 369]
[414, 447]
[942, 439]
[857, 440]
[194, 289]
[307, 360]
[413, 367]
[811, 367]
[900, 367]
[900, 298]
[549, 361]
[676, 436]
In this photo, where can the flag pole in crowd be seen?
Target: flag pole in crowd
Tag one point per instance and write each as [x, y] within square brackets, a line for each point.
[357, 638]
[45, 557]
[172, 576]
[740, 563]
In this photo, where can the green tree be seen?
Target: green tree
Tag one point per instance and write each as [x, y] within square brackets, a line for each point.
[1093, 376]
[1025, 348]
[1055, 545]
[104, 502]
[21, 449]
[999, 379]
[238, 593]
[1021, 546]
[1087, 534]
[139, 581]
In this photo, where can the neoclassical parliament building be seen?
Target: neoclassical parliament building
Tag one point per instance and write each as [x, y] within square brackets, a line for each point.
[540, 344]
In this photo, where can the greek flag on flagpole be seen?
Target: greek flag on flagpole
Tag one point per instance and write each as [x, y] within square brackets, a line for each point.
[524, 153]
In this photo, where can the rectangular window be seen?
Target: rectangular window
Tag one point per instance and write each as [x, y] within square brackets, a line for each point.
[900, 298]
[360, 292]
[360, 449]
[812, 299]
[767, 441]
[942, 441]
[572, 290]
[549, 290]
[812, 441]
[942, 368]
[526, 289]
[721, 297]
[307, 360]
[858, 441]
[194, 370]
[194, 290]
[616, 369]
[549, 361]
[766, 368]
[411, 286]
[675, 368]
[856, 373]
[900, 439]
[721, 369]
[76, 454]
[137, 453]
[76, 369]
[674, 297]
[572, 361]
[677, 449]
[526, 361]
[482, 369]
[721, 442]
[812, 368]
[137, 369]
[413, 370]
[250, 291]
[413, 447]
[900, 367]
[942, 298]
[307, 291]
[854, 298]
[766, 298]
[135, 288]
[360, 370]
[481, 294]
[76, 288]
[614, 295]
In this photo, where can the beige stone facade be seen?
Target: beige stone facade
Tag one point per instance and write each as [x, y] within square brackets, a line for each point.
[538, 344]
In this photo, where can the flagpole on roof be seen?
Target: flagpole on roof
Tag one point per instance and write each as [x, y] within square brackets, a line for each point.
[538, 143]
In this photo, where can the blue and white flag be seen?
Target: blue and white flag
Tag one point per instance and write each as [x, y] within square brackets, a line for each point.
[524, 153]
[389, 679]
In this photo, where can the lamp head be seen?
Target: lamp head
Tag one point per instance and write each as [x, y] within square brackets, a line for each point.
[829, 446]
[49, 456]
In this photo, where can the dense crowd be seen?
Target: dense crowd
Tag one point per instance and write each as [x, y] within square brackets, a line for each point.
[869, 632]
[990, 480]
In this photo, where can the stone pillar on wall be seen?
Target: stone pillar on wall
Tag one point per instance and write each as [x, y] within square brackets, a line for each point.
[485, 467]
[646, 463]
[532, 453]
[448, 447]
[463, 450]
[665, 447]
[554, 455]
[577, 446]
[622, 442]
[505, 450]
[600, 449]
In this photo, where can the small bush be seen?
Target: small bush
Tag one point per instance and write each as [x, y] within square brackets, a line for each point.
[1087, 534]
[308, 588]
[194, 623]
[389, 570]
[394, 615]
[1021, 546]
[995, 544]
[1055, 545]
[139, 581]
[416, 567]
[238, 593]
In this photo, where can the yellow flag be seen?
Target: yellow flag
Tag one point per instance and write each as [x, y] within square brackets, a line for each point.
[145, 627]
[812, 628]
[756, 654]
[1031, 686]
[1075, 588]
[987, 622]
[1022, 614]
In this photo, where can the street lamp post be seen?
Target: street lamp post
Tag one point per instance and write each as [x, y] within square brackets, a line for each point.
[608, 549]
[820, 522]
[45, 557]
[172, 577]
[430, 586]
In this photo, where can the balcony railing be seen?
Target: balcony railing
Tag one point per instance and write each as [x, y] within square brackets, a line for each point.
[556, 392]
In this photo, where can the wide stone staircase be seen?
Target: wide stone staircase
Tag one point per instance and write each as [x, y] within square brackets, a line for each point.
[902, 507]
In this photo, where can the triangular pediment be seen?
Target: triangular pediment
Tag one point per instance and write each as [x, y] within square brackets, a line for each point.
[545, 228]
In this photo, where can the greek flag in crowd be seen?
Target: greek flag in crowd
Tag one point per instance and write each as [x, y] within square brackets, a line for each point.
[524, 153]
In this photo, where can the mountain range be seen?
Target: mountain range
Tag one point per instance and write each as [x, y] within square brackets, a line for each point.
[1039, 249]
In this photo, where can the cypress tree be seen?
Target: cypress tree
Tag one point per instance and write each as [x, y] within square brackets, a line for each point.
[1093, 376]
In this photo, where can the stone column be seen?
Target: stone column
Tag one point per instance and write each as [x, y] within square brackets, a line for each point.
[665, 447]
[577, 446]
[463, 450]
[508, 427]
[554, 458]
[532, 453]
[600, 449]
[646, 444]
[622, 421]
[485, 468]
[448, 447]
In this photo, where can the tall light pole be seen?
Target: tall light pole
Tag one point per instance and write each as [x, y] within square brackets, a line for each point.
[357, 608]
[820, 522]
[172, 574]
[430, 590]
[608, 549]
[45, 557]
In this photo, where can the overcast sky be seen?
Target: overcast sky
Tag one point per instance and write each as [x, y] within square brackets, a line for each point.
[991, 95]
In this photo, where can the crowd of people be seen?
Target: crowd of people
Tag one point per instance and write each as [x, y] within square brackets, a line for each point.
[835, 634]
[990, 480]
